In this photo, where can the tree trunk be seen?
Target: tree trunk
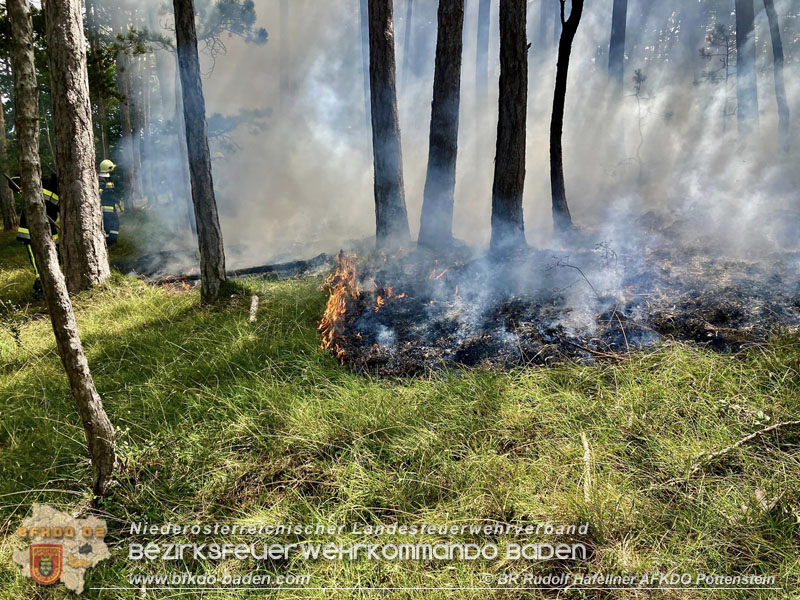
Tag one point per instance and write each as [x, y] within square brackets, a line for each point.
[390, 204]
[99, 432]
[436, 223]
[562, 220]
[407, 44]
[129, 170]
[209, 233]
[83, 242]
[616, 47]
[8, 210]
[780, 86]
[508, 228]
[746, 84]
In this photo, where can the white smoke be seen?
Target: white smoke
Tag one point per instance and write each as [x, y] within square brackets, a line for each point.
[302, 183]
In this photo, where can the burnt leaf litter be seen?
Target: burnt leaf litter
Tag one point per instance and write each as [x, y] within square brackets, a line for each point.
[414, 313]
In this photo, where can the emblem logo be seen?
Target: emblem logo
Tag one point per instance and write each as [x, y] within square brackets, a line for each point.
[46, 562]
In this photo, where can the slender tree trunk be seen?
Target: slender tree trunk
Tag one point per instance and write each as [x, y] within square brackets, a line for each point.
[8, 210]
[562, 220]
[746, 84]
[209, 233]
[129, 169]
[390, 204]
[99, 432]
[780, 86]
[407, 58]
[508, 228]
[83, 241]
[616, 47]
[436, 222]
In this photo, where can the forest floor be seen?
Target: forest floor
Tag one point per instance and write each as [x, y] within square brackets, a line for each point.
[221, 420]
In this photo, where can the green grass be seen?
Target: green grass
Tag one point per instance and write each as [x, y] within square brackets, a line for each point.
[221, 420]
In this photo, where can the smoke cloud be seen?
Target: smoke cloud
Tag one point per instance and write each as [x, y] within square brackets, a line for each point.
[293, 167]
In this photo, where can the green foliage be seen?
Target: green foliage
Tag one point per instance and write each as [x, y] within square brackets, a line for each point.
[223, 420]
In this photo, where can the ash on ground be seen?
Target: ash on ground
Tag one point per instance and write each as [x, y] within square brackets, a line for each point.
[410, 313]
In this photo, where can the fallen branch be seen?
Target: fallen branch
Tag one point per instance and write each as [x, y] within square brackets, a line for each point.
[289, 269]
[707, 457]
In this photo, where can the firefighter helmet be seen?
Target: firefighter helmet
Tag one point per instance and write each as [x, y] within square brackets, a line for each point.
[107, 166]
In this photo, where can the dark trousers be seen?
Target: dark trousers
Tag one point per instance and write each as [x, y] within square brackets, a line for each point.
[111, 225]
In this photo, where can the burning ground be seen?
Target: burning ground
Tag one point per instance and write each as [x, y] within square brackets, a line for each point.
[409, 312]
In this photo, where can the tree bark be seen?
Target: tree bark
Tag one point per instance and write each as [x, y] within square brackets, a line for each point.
[436, 223]
[99, 432]
[209, 233]
[616, 47]
[562, 220]
[746, 84]
[83, 242]
[780, 86]
[8, 209]
[508, 228]
[391, 217]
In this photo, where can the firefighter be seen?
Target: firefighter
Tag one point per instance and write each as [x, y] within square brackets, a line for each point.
[109, 200]
[50, 193]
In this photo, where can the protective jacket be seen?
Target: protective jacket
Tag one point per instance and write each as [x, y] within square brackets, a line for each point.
[109, 201]
[24, 234]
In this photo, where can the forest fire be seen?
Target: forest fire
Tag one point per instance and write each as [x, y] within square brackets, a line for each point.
[540, 307]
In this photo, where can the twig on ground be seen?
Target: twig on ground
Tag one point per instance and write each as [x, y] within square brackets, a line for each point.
[708, 457]
[253, 308]
[587, 468]
[563, 262]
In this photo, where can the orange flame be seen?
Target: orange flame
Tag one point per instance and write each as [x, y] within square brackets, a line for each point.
[343, 287]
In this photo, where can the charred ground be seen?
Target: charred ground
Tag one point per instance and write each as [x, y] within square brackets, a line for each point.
[410, 312]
